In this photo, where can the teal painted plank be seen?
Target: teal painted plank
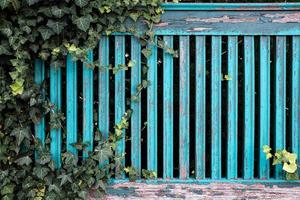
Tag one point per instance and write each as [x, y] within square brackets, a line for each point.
[39, 77]
[120, 98]
[295, 96]
[264, 105]
[232, 126]
[216, 107]
[200, 106]
[249, 92]
[71, 99]
[136, 106]
[184, 106]
[168, 109]
[87, 92]
[103, 92]
[55, 98]
[230, 6]
[152, 111]
[103, 89]
[280, 103]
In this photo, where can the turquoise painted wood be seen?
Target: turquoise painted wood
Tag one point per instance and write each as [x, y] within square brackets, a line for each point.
[216, 106]
[295, 95]
[39, 77]
[280, 101]
[87, 96]
[232, 121]
[168, 109]
[55, 99]
[200, 107]
[249, 103]
[120, 98]
[71, 98]
[184, 106]
[152, 110]
[264, 104]
[103, 90]
[136, 124]
[233, 26]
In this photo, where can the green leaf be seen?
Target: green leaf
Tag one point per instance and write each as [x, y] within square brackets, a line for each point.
[56, 26]
[40, 172]
[57, 12]
[293, 176]
[147, 52]
[31, 2]
[7, 189]
[4, 50]
[16, 4]
[81, 3]
[83, 23]
[4, 3]
[26, 160]
[134, 16]
[6, 31]
[20, 134]
[64, 178]
[103, 152]
[45, 32]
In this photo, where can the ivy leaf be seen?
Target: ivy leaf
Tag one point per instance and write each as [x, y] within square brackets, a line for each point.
[147, 52]
[290, 168]
[57, 12]
[17, 87]
[16, 4]
[20, 134]
[4, 50]
[83, 23]
[103, 152]
[266, 149]
[31, 2]
[7, 189]
[55, 188]
[4, 3]
[40, 172]
[81, 3]
[56, 26]
[64, 178]
[26, 160]
[6, 31]
[45, 32]
[134, 16]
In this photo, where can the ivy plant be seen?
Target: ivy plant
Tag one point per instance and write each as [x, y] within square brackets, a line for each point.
[49, 30]
[287, 159]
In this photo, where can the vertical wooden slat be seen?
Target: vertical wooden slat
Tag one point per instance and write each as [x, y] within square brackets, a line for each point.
[87, 92]
[295, 96]
[184, 102]
[103, 89]
[249, 75]
[264, 105]
[55, 98]
[71, 99]
[120, 97]
[232, 96]
[39, 77]
[168, 109]
[280, 103]
[152, 110]
[136, 106]
[200, 106]
[216, 107]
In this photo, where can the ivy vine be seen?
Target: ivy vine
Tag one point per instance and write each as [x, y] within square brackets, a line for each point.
[49, 30]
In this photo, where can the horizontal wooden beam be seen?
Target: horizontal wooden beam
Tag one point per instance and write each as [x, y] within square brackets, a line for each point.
[231, 6]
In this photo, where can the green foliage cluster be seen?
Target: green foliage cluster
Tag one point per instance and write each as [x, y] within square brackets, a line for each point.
[48, 30]
[289, 161]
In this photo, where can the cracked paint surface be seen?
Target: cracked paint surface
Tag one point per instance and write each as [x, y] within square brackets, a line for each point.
[212, 191]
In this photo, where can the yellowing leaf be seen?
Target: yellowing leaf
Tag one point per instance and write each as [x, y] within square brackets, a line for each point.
[227, 77]
[266, 149]
[269, 155]
[290, 168]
